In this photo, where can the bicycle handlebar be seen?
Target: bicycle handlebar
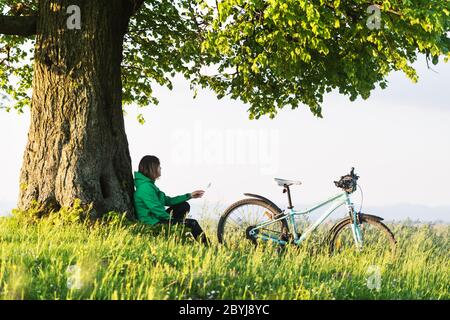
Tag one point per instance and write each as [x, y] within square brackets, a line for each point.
[348, 182]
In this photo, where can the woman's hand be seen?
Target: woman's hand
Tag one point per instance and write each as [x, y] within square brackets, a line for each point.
[197, 194]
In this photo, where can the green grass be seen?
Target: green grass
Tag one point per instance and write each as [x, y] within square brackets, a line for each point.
[62, 257]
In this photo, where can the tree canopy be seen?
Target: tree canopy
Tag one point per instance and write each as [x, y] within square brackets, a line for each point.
[267, 53]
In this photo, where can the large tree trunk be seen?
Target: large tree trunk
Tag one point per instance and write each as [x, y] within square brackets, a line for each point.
[77, 147]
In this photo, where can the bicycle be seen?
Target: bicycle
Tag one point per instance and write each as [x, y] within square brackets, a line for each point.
[357, 230]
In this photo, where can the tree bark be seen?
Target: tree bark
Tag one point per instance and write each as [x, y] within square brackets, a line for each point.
[77, 147]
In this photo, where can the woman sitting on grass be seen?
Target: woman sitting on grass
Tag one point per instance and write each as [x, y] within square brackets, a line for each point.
[149, 201]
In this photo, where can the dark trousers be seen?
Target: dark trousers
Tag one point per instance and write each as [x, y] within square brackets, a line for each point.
[179, 213]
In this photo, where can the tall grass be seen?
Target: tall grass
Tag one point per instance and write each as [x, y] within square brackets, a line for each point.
[65, 257]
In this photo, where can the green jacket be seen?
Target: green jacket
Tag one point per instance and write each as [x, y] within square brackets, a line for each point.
[149, 201]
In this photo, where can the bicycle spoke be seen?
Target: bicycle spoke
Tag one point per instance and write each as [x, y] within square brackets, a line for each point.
[237, 222]
[376, 241]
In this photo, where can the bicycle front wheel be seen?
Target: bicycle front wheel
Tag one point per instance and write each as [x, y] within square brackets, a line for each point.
[378, 240]
[241, 216]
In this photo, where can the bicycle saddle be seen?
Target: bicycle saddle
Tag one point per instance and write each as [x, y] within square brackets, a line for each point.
[283, 182]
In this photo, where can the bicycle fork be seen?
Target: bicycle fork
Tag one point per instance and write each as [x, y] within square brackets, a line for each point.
[356, 222]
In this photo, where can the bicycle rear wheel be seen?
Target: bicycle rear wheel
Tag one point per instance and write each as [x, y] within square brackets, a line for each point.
[243, 215]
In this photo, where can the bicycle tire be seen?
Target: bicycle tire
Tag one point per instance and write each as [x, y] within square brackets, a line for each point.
[282, 225]
[334, 236]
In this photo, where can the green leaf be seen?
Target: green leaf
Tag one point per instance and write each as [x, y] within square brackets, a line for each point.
[435, 60]
[268, 54]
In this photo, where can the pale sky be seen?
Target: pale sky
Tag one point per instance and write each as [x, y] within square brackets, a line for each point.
[398, 140]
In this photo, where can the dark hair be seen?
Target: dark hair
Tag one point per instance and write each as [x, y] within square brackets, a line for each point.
[149, 167]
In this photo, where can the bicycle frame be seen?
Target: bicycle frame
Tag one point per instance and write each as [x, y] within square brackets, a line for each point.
[337, 201]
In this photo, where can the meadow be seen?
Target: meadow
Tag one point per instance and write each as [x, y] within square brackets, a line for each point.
[64, 256]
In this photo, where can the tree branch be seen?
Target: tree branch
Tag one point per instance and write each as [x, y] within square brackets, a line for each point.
[19, 26]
